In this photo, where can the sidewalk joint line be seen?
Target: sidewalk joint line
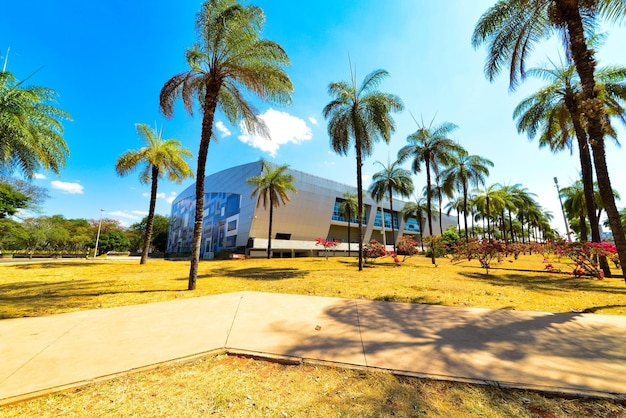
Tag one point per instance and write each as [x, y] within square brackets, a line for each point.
[358, 322]
[232, 324]
[43, 349]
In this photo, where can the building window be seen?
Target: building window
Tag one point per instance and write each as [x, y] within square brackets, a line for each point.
[411, 225]
[338, 216]
[378, 222]
[232, 225]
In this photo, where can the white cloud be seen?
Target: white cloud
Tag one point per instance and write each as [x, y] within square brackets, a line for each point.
[39, 176]
[313, 120]
[123, 214]
[283, 129]
[223, 129]
[168, 199]
[139, 212]
[171, 197]
[67, 188]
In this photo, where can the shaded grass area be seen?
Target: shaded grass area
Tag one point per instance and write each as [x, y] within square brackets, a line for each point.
[54, 287]
[241, 387]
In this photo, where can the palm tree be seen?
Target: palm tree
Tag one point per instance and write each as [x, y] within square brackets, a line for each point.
[456, 204]
[359, 117]
[489, 202]
[555, 112]
[463, 171]
[512, 27]
[348, 207]
[392, 178]
[430, 145]
[31, 129]
[415, 210]
[272, 186]
[575, 206]
[228, 59]
[159, 158]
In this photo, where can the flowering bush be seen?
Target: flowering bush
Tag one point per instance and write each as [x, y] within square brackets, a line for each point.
[375, 249]
[407, 246]
[585, 256]
[327, 244]
[484, 251]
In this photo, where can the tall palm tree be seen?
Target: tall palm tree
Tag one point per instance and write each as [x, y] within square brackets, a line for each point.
[513, 27]
[349, 207]
[431, 146]
[575, 206]
[463, 171]
[555, 113]
[391, 179]
[159, 158]
[228, 59]
[415, 209]
[489, 202]
[456, 204]
[359, 116]
[272, 186]
[31, 128]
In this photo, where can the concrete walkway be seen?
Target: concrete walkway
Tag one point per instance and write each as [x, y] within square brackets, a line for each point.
[571, 353]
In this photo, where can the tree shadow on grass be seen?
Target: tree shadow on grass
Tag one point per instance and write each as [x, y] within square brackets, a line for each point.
[55, 264]
[258, 273]
[19, 299]
[546, 282]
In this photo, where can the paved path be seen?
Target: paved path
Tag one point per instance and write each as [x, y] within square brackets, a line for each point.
[572, 353]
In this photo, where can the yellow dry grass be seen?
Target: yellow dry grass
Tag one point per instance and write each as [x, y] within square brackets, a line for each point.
[240, 387]
[62, 286]
[228, 386]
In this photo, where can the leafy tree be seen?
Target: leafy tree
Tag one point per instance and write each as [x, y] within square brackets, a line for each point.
[12, 234]
[465, 170]
[36, 194]
[11, 200]
[488, 202]
[160, 230]
[359, 116]
[416, 210]
[391, 179]
[159, 158]
[349, 207]
[228, 58]
[511, 28]
[272, 187]
[31, 129]
[430, 145]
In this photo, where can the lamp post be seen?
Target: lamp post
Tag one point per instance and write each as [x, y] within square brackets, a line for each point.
[556, 182]
[95, 250]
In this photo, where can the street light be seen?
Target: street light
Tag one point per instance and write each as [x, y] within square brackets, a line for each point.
[556, 182]
[95, 250]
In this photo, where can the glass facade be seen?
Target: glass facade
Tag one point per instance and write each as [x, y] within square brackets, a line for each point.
[219, 227]
[412, 226]
[338, 216]
[378, 220]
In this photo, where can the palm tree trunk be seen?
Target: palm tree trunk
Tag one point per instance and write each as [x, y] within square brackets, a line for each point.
[210, 103]
[465, 211]
[393, 230]
[429, 213]
[359, 185]
[349, 216]
[150, 221]
[586, 168]
[593, 109]
[269, 233]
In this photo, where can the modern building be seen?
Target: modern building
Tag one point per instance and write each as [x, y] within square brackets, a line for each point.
[233, 222]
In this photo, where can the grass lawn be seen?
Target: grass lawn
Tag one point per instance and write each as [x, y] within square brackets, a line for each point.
[48, 288]
[234, 386]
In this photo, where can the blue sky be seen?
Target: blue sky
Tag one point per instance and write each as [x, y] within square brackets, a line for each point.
[109, 59]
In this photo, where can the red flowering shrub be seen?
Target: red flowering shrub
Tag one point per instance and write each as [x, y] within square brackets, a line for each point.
[327, 244]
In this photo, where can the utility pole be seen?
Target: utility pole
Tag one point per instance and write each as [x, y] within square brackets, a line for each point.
[569, 237]
[95, 250]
